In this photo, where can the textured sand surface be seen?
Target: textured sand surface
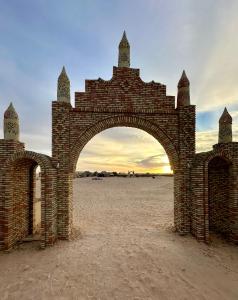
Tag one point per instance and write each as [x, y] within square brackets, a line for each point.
[127, 250]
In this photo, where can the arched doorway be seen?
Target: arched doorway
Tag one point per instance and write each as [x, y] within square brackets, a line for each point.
[219, 195]
[30, 204]
[107, 198]
[25, 209]
[126, 150]
[125, 121]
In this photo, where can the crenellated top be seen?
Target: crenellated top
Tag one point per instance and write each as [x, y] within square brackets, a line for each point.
[124, 92]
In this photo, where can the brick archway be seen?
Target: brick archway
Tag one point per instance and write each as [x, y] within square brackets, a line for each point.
[227, 158]
[203, 188]
[19, 184]
[44, 161]
[124, 100]
[125, 121]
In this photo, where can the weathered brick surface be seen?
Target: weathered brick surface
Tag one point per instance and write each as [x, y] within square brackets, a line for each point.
[214, 192]
[218, 190]
[125, 92]
[16, 200]
[125, 100]
[205, 184]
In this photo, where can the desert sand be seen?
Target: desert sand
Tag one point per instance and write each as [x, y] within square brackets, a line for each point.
[126, 249]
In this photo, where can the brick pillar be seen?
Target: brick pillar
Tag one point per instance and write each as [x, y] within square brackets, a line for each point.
[186, 115]
[61, 155]
[234, 196]
[49, 207]
[7, 148]
[199, 211]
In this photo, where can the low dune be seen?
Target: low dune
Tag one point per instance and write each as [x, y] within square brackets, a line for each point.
[126, 249]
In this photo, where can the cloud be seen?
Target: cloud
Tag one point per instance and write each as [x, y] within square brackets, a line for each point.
[206, 139]
[109, 149]
[152, 162]
[165, 38]
[37, 142]
[215, 82]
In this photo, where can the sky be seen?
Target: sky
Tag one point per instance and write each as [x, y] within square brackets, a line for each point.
[39, 37]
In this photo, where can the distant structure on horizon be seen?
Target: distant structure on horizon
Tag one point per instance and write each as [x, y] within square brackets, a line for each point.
[79, 174]
[205, 184]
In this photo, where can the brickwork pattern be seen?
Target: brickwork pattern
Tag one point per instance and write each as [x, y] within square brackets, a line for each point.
[207, 191]
[125, 92]
[125, 100]
[17, 184]
[205, 184]
[218, 190]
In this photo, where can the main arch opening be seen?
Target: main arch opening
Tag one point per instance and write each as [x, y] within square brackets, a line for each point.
[123, 180]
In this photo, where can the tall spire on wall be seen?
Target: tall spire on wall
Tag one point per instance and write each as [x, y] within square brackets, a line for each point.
[11, 124]
[183, 97]
[63, 88]
[225, 127]
[124, 52]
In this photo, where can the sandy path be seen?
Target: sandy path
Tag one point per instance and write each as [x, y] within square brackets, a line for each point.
[127, 251]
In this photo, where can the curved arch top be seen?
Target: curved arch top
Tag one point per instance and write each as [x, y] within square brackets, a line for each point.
[125, 121]
[44, 161]
[220, 153]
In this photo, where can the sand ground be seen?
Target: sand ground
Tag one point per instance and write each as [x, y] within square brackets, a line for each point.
[127, 250]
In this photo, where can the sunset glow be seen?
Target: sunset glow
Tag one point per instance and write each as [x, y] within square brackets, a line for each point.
[198, 36]
[132, 149]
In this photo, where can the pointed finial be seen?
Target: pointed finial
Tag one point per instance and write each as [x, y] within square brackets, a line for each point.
[183, 81]
[124, 38]
[225, 127]
[183, 97]
[63, 88]
[11, 124]
[225, 117]
[124, 52]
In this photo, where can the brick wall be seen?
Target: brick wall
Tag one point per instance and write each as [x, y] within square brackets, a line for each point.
[17, 197]
[124, 92]
[214, 192]
[205, 191]
[22, 195]
[7, 148]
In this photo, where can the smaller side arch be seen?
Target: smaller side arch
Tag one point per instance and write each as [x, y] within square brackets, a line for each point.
[124, 121]
[212, 177]
[42, 160]
[220, 154]
[20, 164]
